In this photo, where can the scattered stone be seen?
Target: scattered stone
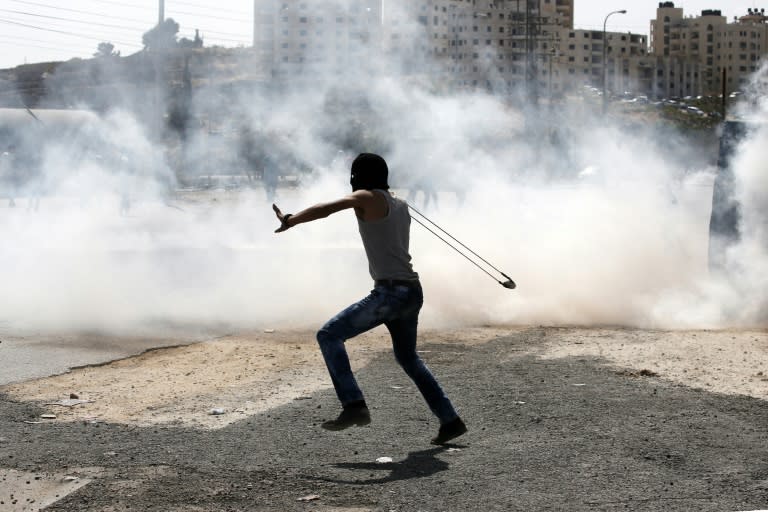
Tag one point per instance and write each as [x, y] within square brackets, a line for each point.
[216, 412]
[269, 331]
[642, 373]
[310, 497]
[73, 396]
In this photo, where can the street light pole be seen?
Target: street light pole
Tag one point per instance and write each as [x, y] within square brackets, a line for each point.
[605, 57]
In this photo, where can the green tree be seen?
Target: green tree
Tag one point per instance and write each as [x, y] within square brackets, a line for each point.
[106, 49]
[162, 36]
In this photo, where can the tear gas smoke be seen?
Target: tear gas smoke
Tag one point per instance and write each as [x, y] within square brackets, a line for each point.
[598, 221]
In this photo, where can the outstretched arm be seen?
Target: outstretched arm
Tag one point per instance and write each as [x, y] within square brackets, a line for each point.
[360, 199]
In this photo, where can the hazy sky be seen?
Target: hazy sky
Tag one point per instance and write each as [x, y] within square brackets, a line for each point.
[43, 30]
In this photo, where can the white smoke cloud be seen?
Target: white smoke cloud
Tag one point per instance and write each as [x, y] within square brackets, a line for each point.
[598, 222]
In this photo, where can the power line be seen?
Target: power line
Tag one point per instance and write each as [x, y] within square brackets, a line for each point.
[206, 38]
[13, 39]
[190, 4]
[115, 17]
[64, 32]
[90, 13]
[96, 32]
[237, 20]
[217, 9]
[59, 49]
[121, 27]
[246, 36]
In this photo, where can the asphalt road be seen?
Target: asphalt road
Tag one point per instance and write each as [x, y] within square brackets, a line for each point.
[570, 434]
[37, 355]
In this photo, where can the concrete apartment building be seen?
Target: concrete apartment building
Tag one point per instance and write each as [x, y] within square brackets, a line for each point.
[501, 46]
[495, 45]
[702, 54]
[581, 55]
[305, 39]
[508, 47]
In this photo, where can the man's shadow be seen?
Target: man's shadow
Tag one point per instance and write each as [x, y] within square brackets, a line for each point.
[416, 465]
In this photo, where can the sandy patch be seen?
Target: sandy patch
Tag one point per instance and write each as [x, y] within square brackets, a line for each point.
[249, 373]
[732, 361]
[233, 376]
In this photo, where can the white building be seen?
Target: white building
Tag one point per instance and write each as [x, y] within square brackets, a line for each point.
[698, 52]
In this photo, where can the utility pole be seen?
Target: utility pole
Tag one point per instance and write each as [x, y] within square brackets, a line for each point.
[161, 14]
[531, 67]
[255, 20]
[524, 29]
[605, 59]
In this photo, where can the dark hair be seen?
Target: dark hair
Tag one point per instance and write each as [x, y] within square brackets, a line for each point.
[369, 171]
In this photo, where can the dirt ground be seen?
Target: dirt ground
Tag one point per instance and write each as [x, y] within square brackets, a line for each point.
[559, 418]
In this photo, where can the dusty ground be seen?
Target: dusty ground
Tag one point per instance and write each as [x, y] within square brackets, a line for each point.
[599, 419]
[250, 373]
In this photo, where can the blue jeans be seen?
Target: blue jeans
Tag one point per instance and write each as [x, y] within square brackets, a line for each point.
[397, 307]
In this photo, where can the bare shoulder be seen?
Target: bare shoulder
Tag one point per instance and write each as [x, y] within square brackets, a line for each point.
[371, 205]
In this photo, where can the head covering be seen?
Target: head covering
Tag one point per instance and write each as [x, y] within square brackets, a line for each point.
[369, 171]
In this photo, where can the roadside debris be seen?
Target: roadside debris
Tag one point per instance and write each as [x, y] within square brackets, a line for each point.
[384, 460]
[641, 373]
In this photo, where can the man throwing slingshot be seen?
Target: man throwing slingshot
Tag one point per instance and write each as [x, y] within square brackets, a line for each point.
[395, 301]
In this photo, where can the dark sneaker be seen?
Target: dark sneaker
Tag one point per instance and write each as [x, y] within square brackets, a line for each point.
[350, 416]
[450, 431]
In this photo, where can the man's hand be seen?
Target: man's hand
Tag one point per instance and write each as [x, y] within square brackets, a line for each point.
[282, 218]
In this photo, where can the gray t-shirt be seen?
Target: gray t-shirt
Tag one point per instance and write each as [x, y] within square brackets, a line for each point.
[386, 241]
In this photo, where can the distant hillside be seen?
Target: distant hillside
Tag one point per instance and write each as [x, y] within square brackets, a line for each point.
[98, 83]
